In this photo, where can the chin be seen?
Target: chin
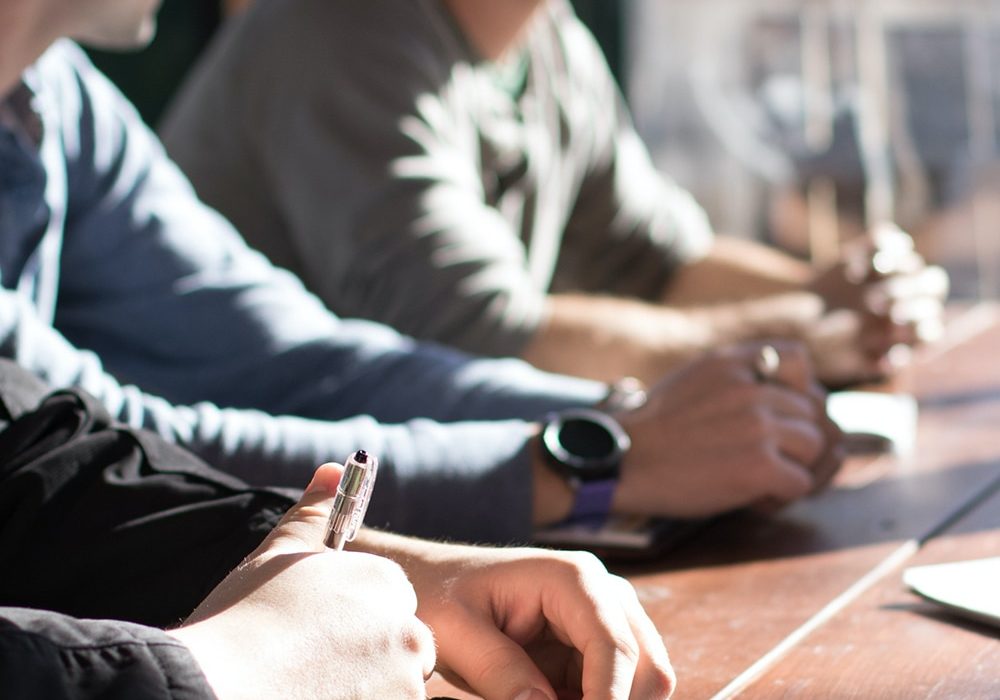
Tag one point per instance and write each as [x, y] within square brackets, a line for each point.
[125, 38]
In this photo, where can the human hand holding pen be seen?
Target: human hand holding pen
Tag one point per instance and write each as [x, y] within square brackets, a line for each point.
[298, 620]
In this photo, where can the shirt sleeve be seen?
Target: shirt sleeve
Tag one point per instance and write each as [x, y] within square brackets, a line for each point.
[168, 318]
[631, 226]
[372, 166]
[48, 655]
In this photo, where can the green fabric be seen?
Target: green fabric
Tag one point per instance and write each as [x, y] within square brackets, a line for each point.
[511, 74]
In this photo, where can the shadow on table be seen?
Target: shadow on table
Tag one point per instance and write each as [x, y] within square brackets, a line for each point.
[934, 612]
[960, 398]
[897, 508]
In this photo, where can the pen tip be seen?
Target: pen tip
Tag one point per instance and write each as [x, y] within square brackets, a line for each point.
[361, 456]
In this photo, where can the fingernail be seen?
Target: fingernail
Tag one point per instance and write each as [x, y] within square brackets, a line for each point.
[533, 694]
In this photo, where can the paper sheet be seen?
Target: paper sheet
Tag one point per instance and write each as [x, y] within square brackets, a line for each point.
[969, 588]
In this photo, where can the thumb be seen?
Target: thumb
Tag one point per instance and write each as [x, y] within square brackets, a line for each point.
[303, 527]
[492, 664]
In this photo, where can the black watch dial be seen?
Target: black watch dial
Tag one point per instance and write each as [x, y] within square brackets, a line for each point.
[584, 444]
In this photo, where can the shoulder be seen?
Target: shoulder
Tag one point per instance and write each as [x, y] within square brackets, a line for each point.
[350, 45]
[91, 115]
[582, 61]
[61, 79]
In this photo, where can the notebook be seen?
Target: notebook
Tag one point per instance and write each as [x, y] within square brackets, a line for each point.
[967, 588]
[875, 421]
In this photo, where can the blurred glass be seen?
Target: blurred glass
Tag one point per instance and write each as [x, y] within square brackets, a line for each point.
[804, 122]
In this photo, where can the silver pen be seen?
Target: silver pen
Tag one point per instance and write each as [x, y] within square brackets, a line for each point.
[353, 494]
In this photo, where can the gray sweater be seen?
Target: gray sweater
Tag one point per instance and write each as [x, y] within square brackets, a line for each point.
[364, 146]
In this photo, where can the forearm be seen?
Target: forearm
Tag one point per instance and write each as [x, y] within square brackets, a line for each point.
[607, 338]
[433, 478]
[735, 270]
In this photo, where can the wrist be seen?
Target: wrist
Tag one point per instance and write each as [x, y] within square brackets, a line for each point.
[788, 315]
[209, 652]
[584, 448]
[552, 499]
[626, 394]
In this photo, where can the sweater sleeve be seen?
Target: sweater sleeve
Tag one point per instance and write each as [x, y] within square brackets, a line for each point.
[631, 226]
[170, 320]
[48, 655]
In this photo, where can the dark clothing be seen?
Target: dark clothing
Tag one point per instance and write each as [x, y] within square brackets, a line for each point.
[45, 655]
[98, 520]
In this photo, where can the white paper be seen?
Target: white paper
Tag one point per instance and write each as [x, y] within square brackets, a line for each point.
[875, 421]
[970, 588]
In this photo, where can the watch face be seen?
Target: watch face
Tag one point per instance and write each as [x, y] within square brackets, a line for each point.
[581, 437]
[585, 444]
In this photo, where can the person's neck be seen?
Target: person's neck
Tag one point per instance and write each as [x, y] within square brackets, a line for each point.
[493, 26]
[24, 36]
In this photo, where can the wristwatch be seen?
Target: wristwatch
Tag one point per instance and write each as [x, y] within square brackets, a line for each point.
[586, 447]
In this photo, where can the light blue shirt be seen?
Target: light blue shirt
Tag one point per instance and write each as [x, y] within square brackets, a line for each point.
[116, 279]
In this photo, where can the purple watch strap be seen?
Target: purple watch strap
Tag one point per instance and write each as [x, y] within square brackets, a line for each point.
[593, 501]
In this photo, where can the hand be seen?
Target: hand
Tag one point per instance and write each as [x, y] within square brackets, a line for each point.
[516, 620]
[885, 280]
[845, 346]
[297, 620]
[848, 347]
[713, 437]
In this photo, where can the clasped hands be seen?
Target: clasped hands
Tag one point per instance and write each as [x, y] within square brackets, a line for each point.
[879, 298]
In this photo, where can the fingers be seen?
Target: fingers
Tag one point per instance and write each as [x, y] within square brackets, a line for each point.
[848, 347]
[795, 436]
[799, 440]
[826, 467]
[489, 662]
[892, 250]
[792, 366]
[797, 475]
[420, 640]
[655, 677]
[790, 415]
[303, 528]
[562, 627]
[904, 289]
[786, 402]
[623, 654]
[909, 298]
[788, 480]
[924, 283]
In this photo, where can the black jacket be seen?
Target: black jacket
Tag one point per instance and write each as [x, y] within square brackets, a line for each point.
[107, 534]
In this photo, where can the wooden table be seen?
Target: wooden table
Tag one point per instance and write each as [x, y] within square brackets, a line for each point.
[810, 603]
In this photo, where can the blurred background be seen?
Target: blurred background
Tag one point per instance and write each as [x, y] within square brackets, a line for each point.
[801, 122]
[804, 121]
